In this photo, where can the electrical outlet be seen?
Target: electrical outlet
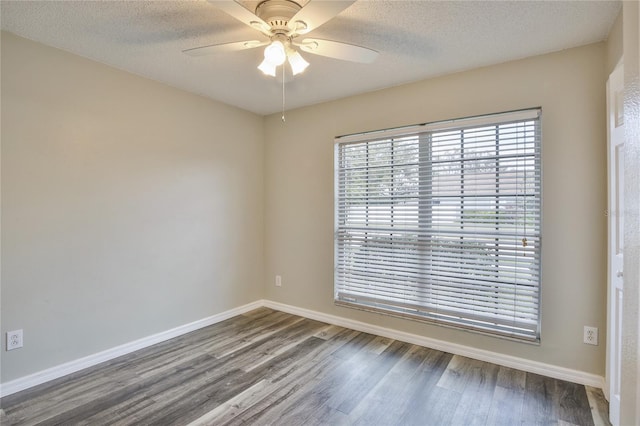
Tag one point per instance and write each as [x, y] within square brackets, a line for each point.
[278, 281]
[14, 339]
[591, 335]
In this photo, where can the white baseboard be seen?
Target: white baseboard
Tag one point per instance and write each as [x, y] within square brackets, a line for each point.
[52, 373]
[58, 371]
[548, 370]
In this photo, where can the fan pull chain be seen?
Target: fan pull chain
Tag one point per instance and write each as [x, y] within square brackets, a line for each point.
[283, 71]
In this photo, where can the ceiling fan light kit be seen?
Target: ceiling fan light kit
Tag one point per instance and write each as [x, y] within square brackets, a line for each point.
[282, 21]
[277, 52]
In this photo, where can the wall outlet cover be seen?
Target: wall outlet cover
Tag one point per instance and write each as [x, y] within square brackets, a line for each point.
[590, 335]
[14, 339]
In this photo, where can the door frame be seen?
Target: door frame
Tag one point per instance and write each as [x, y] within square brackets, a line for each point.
[615, 283]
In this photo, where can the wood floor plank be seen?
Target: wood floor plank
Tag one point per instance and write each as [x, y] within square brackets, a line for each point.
[599, 406]
[286, 384]
[97, 401]
[435, 409]
[563, 423]
[361, 381]
[266, 367]
[389, 400]
[303, 367]
[461, 372]
[271, 343]
[328, 332]
[74, 393]
[539, 407]
[513, 379]
[299, 403]
[211, 393]
[345, 352]
[327, 416]
[188, 402]
[378, 345]
[276, 348]
[231, 343]
[506, 406]
[258, 312]
[233, 406]
[476, 381]
[430, 404]
[574, 404]
[125, 412]
[508, 397]
[273, 366]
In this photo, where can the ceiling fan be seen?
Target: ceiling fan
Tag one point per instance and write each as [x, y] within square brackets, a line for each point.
[284, 22]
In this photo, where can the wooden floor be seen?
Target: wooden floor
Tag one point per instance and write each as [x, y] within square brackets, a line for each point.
[268, 367]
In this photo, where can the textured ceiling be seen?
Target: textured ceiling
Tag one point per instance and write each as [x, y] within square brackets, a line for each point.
[416, 40]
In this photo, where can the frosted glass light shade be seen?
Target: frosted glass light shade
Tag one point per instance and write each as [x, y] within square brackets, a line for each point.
[267, 68]
[275, 53]
[297, 62]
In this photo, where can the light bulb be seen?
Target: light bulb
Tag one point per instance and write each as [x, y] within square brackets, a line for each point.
[297, 62]
[275, 53]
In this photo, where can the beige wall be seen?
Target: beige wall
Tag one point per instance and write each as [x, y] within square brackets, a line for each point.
[568, 85]
[128, 207]
[614, 44]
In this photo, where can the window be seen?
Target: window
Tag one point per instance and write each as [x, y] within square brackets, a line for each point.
[441, 222]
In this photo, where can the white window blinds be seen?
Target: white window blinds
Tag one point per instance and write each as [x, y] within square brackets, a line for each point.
[441, 222]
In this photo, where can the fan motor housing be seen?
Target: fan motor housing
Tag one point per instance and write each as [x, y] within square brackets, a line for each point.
[277, 13]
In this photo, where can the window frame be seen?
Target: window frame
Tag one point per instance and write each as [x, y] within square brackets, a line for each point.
[425, 134]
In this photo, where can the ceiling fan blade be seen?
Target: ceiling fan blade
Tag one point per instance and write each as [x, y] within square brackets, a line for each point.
[338, 50]
[242, 14]
[316, 13]
[224, 47]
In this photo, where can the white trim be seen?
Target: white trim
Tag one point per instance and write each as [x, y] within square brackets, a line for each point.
[61, 370]
[548, 370]
[480, 120]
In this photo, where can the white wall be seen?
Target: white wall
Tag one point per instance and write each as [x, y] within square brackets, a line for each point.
[570, 88]
[128, 207]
